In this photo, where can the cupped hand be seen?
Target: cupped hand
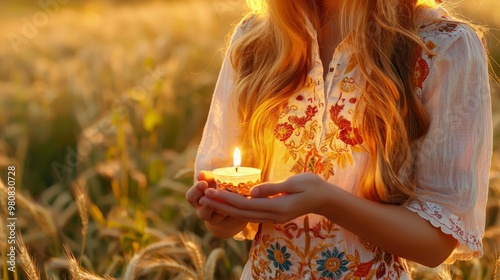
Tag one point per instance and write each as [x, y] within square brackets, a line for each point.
[272, 202]
[205, 212]
[205, 181]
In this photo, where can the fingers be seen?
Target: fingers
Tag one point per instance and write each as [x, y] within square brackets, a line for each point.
[227, 197]
[210, 215]
[196, 192]
[204, 175]
[242, 202]
[242, 214]
[205, 213]
[271, 189]
[294, 184]
[205, 180]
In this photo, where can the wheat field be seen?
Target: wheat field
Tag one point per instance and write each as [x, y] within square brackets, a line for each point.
[102, 105]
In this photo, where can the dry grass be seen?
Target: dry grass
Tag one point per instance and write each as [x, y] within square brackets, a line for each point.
[79, 273]
[168, 256]
[132, 268]
[28, 265]
[107, 110]
[83, 205]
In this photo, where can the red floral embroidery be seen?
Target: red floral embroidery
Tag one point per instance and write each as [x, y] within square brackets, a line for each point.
[301, 122]
[283, 131]
[421, 72]
[316, 231]
[448, 27]
[299, 131]
[362, 269]
[381, 271]
[350, 136]
[314, 162]
[287, 229]
[335, 111]
[340, 121]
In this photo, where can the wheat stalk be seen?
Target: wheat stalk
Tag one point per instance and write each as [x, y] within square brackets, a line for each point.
[212, 259]
[193, 248]
[77, 272]
[85, 275]
[73, 264]
[131, 268]
[35, 210]
[497, 266]
[82, 203]
[168, 264]
[27, 263]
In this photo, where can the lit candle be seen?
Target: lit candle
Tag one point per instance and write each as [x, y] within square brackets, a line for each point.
[237, 179]
[237, 158]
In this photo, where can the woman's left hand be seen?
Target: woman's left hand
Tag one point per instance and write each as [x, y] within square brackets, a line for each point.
[272, 202]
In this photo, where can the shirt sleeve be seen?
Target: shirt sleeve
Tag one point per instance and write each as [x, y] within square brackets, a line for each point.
[452, 162]
[221, 132]
[222, 129]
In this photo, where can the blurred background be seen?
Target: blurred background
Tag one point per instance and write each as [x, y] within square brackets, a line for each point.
[102, 105]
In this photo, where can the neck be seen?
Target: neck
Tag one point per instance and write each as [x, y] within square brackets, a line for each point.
[330, 8]
[330, 32]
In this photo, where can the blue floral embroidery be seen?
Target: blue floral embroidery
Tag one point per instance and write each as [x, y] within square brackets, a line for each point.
[332, 265]
[279, 256]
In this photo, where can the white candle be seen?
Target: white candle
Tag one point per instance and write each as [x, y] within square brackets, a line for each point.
[237, 179]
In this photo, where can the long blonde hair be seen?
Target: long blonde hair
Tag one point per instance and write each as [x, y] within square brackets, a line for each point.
[273, 58]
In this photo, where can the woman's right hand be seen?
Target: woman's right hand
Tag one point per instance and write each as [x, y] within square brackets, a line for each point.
[221, 225]
[197, 191]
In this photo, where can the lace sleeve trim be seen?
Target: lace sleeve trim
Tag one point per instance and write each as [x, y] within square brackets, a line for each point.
[470, 243]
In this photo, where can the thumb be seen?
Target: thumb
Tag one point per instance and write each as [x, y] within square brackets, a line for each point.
[205, 175]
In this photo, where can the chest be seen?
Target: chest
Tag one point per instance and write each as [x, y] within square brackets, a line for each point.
[326, 53]
[316, 130]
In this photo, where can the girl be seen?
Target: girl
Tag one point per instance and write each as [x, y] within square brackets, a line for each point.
[371, 121]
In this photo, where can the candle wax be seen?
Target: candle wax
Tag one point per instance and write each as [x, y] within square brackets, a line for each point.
[240, 181]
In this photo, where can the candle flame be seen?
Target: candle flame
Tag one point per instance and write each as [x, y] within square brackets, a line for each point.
[237, 158]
